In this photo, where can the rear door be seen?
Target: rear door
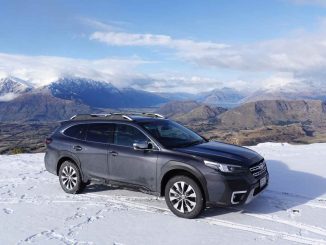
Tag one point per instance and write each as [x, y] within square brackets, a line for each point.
[127, 165]
[94, 153]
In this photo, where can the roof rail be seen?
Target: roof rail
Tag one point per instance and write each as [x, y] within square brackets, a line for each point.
[153, 115]
[115, 115]
[100, 116]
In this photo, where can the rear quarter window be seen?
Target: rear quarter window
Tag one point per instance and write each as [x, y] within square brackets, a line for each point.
[100, 132]
[76, 131]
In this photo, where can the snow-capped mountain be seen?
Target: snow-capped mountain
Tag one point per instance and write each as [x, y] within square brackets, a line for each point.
[11, 87]
[290, 91]
[224, 97]
[102, 94]
[68, 96]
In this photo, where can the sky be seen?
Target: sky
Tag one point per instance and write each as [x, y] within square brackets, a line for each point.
[165, 46]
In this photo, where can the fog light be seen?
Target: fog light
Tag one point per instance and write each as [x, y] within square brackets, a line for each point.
[238, 196]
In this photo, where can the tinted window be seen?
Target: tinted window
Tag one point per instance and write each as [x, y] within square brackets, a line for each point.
[127, 135]
[171, 134]
[77, 131]
[100, 132]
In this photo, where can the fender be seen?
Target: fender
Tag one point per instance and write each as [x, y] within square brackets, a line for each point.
[67, 154]
[176, 165]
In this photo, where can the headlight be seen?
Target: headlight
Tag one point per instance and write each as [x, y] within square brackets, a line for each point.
[225, 168]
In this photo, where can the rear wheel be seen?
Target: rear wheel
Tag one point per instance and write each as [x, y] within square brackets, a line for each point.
[184, 197]
[70, 178]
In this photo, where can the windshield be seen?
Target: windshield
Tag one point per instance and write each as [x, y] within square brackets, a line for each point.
[171, 134]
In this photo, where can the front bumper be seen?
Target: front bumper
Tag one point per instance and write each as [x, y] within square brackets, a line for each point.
[235, 190]
[248, 195]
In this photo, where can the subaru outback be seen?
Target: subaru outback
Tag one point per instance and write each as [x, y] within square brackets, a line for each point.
[148, 152]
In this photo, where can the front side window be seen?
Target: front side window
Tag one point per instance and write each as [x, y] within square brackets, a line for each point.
[171, 134]
[127, 135]
[76, 131]
[100, 132]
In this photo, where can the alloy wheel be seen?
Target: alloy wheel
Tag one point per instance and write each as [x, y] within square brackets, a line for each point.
[182, 196]
[69, 177]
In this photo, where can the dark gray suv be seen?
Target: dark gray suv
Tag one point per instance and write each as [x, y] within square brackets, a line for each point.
[148, 152]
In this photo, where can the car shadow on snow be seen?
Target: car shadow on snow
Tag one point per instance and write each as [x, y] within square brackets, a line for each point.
[287, 190]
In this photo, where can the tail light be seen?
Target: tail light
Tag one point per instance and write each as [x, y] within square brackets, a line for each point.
[48, 141]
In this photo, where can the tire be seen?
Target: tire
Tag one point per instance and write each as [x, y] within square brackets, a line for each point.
[184, 197]
[70, 178]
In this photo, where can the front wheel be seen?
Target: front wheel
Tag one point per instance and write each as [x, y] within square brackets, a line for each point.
[70, 178]
[184, 197]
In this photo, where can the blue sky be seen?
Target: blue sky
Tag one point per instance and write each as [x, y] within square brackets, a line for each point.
[165, 45]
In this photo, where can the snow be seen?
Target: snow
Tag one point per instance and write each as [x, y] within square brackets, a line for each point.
[34, 209]
[12, 87]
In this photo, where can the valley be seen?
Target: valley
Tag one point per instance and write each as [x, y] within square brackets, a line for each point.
[28, 114]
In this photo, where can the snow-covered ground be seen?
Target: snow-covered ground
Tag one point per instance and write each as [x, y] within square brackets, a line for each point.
[34, 209]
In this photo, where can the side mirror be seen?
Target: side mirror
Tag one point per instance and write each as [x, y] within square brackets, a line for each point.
[144, 145]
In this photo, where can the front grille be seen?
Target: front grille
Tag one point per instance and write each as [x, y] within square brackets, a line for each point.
[258, 169]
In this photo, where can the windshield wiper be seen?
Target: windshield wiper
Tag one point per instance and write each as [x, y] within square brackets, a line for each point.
[196, 142]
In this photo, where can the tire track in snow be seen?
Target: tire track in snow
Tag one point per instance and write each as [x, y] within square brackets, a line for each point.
[126, 199]
[220, 222]
[274, 218]
[269, 195]
[266, 232]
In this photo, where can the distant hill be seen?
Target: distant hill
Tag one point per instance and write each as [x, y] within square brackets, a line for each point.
[299, 121]
[178, 96]
[201, 114]
[275, 112]
[175, 108]
[40, 107]
[189, 112]
[250, 115]
[224, 97]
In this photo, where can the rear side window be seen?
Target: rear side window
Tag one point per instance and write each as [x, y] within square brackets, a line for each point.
[126, 135]
[100, 132]
[77, 131]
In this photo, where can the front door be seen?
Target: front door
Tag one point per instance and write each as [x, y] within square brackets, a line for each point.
[128, 165]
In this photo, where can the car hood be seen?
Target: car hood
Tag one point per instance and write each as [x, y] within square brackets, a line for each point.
[223, 153]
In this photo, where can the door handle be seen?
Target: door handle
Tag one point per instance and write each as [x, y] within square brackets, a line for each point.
[78, 147]
[114, 153]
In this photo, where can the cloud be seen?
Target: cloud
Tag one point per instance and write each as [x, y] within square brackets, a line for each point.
[135, 39]
[296, 54]
[7, 97]
[298, 57]
[175, 83]
[42, 70]
[300, 53]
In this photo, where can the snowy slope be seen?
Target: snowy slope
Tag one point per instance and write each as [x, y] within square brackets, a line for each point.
[289, 91]
[11, 87]
[34, 209]
[101, 94]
